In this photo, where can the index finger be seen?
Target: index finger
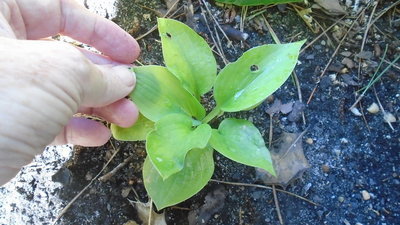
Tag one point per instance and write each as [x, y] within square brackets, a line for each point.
[48, 17]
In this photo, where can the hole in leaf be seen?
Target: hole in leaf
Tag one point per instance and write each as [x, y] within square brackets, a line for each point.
[253, 68]
[169, 35]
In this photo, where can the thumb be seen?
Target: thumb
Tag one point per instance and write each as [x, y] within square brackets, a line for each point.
[107, 84]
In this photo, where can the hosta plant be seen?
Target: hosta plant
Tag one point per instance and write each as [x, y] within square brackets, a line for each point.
[179, 141]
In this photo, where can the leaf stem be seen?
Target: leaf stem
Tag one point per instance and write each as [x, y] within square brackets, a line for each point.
[214, 113]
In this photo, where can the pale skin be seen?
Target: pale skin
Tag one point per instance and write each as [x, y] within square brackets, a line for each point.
[44, 83]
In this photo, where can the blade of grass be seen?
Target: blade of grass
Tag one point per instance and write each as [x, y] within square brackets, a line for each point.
[374, 80]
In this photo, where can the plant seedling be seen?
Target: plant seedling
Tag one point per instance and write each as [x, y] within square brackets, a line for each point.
[179, 140]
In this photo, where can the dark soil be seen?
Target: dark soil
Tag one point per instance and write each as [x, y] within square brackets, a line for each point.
[348, 154]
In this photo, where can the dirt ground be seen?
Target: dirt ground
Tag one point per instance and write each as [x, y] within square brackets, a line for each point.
[354, 174]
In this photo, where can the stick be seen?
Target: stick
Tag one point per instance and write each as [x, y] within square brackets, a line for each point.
[108, 175]
[333, 55]
[278, 210]
[264, 187]
[65, 209]
[155, 26]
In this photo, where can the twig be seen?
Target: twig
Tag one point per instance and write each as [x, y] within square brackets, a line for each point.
[271, 128]
[242, 20]
[383, 110]
[294, 143]
[216, 23]
[65, 209]
[383, 12]
[278, 210]
[108, 175]
[271, 31]
[304, 16]
[155, 26]
[264, 187]
[388, 62]
[294, 75]
[259, 11]
[219, 48]
[320, 35]
[329, 40]
[365, 36]
[240, 216]
[374, 79]
[151, 211]
[333, 55]
[369, 24]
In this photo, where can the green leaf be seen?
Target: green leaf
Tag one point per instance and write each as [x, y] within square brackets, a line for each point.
[258, 73]
[174, 136]
[159, 93]
[240, 141]
[137, 132]
[198, 169]
[187, 56]
[256, 2]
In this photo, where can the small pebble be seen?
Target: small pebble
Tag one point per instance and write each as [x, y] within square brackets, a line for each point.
[311, 56]
[337, 152]
[88, 176]
[359, 223]
[355, 111]
[147, 17]
[125, 192]
[348, 62]
[373, 108]
[389, 118]
[341, 199]
[365, 195]
[346, 54]
[309, 141]
[270, 99]
[325, 168]
[344, 141]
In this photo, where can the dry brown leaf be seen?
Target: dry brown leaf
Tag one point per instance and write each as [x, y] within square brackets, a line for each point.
[287, 108]
[289, 161]
[331, 7]
[275, 107]
[365, 55]
[213, 203]
[349, 80]
[348, 62]
[143, 210]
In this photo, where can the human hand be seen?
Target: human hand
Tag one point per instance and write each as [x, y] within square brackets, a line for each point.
[44, 83]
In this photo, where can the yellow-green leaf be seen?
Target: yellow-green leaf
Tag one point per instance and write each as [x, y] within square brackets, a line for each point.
[137, 132]
[159, 93]
[240, 141]
[198, 169]
[258, 73]
[187, 56]
[173, 137]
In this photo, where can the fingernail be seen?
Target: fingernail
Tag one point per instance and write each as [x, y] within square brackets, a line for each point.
[126, 75]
